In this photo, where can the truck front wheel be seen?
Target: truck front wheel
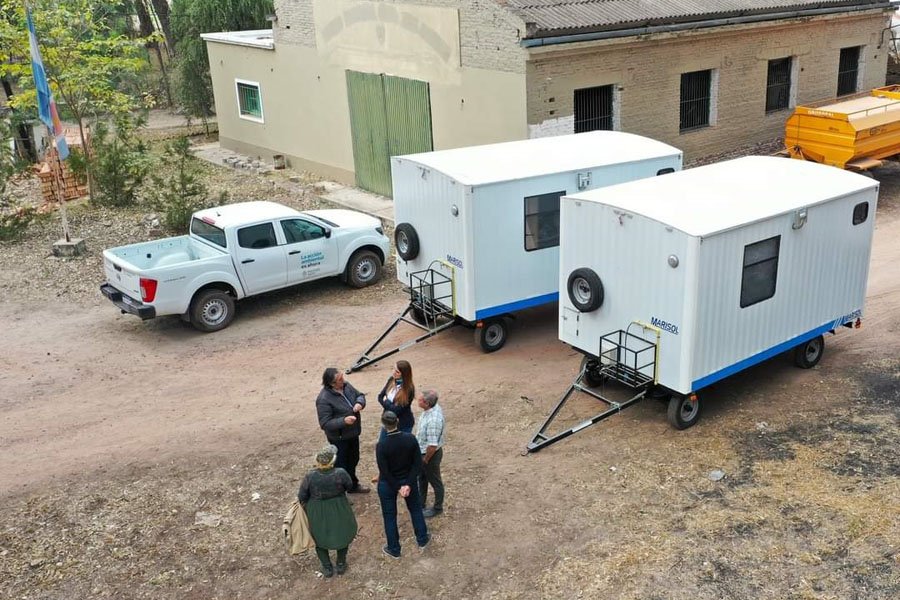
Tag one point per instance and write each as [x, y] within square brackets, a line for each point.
[363, 269]
[212, 310]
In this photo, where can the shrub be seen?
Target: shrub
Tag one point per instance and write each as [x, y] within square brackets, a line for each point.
[119, 161]
[13, 225]
[177, 190]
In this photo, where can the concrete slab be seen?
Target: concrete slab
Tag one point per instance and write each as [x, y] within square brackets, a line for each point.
[68, 249]
[337, 193]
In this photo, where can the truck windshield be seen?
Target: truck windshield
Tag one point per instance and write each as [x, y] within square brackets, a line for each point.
[208, 232]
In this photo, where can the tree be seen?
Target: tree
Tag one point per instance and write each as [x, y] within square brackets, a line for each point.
[178, 190]
[120, 161]
[190, 18]
[93, 70]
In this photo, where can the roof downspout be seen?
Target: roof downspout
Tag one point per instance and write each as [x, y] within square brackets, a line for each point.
[637, 31]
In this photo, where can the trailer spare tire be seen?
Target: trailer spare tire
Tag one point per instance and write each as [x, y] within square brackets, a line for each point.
[585, 289]
[407, 241]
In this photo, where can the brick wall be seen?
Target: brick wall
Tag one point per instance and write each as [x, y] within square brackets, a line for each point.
[489, 34]
[647, 75]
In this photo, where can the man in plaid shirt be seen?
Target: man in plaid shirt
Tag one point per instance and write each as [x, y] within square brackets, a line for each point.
[431, 443]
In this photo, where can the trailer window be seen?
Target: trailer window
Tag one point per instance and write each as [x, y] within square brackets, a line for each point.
[760, 271]
[257, 237]
[542, 221]
[208, 232]
[860, 213]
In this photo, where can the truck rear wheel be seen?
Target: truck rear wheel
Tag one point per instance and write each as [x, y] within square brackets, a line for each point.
[212, 310]
[363, 269]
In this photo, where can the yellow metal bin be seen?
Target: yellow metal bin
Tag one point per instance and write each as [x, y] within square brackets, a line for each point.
[853, 132]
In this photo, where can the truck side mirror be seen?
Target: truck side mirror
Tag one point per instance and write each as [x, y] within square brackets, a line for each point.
[327, 233]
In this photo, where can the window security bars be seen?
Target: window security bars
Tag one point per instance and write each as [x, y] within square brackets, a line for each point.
[594, 109]
[696, 99]
[778, 85]
[848, 69]
[249, 100]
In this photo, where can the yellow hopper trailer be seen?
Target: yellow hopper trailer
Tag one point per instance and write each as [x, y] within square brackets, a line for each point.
[854, 132]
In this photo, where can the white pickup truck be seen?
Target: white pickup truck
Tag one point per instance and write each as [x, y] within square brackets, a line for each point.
[239, 250]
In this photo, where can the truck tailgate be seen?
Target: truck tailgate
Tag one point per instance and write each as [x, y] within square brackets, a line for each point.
[120, 277]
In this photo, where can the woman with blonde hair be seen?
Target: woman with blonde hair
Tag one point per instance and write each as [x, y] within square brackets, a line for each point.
[332, 523]
[397, 396]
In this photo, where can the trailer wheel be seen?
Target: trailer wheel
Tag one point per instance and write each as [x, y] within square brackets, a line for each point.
[407, 241]
[212, 310]
[364, 268]
[684, 411]
[592, 375]
[491, 336]
[585, 289]
[808, 354]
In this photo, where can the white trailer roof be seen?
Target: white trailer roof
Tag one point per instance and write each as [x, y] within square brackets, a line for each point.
[510, 161]
[706, 200]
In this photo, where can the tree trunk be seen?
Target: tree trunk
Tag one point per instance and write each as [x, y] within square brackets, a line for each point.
[24, 149]
[146, 22]
[161, 8]
[165, 75]
[87, 157]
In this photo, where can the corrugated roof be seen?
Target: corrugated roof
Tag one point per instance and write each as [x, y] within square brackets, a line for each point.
[560, 17]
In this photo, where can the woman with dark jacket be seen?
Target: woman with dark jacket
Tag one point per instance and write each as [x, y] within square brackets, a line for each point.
[339, 406]
[332, 523]
[397, 396]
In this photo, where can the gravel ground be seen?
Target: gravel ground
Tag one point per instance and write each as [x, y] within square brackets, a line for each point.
[78, 279]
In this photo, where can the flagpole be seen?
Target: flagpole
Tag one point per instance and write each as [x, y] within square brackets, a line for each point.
[60, 193]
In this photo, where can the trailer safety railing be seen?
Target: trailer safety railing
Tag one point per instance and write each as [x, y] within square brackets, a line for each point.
[431, 308]
[623, 357]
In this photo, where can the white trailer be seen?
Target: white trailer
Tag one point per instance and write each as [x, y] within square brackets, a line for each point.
[477, 232]
[672, 284]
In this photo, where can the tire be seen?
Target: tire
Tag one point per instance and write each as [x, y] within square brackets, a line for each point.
[212, 310]
[418, 315]
[491, 336]
[808, 354]
[591, 367]
[585, 289]
[406, 241]
[683, 412]
[363, 269]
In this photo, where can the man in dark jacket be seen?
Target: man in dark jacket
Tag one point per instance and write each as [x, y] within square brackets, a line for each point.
[399, 464]
[339, 406]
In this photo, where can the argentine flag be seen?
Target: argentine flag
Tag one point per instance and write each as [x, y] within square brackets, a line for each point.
[46, 105]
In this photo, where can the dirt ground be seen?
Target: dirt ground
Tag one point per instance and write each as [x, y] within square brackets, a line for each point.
[116, 433]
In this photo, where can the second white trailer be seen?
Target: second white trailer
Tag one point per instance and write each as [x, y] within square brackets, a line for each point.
[671, 284]
[487, 217]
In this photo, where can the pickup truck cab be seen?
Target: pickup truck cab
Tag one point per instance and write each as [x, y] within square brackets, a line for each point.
[239, 250]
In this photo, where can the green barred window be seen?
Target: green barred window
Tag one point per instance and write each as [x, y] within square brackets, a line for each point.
[249, 100]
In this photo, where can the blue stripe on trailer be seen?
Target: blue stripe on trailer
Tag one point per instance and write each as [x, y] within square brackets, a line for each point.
[760, 357]
[514, 306]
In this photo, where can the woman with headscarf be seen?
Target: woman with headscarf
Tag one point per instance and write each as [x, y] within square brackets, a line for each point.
[323, 495]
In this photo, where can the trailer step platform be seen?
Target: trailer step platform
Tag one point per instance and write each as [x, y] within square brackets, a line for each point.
[624, 358]
[431, 309]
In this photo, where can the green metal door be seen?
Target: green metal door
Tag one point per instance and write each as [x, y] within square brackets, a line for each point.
[389, 116]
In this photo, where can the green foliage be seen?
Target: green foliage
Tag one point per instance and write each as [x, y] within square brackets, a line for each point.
[178, 190]
[190, 18]
[13, 225]
[120, 161]
[7, 158]
[92, 67]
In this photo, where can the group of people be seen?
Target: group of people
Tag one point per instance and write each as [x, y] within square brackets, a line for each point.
[407, 464]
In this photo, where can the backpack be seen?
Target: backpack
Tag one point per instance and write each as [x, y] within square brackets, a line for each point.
[295, 531]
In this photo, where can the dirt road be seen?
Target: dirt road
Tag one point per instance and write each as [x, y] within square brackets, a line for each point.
[115, 433]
